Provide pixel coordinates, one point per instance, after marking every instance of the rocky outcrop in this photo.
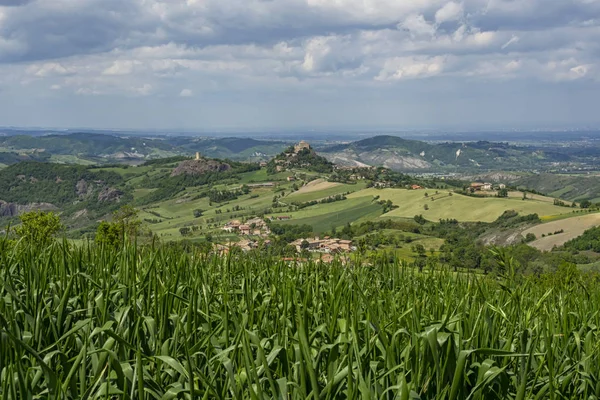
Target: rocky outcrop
(14, 209)
(110, 194)
(199, 167)
(82, 188)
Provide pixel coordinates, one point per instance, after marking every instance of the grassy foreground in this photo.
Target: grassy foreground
(83, 323)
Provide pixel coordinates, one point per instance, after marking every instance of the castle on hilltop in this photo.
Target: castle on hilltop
(301, 146)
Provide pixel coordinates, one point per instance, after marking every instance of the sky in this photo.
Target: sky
(285, 64)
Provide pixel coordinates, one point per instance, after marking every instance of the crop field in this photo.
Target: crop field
(322, 190)
(462, 208)
(323, 217)
(572, 227)
(158, 323)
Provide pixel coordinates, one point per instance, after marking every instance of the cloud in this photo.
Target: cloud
(449, 12)
(400, 68)
(47, 69)
(186, 93)
(272, 49)
(120, 67)
(417, 26)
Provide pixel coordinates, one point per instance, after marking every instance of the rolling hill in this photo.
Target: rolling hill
(569, 187)
(86, 148)
(410, 155)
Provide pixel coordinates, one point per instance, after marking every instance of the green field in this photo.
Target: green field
(160, 323)
(462, 208)
(323, 217)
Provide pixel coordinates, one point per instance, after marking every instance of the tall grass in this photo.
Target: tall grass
(83, 323)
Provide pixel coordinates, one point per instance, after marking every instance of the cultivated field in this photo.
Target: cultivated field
(455, 206)
(573, 227)
(159, 323)
(320, 189)
(323, 217)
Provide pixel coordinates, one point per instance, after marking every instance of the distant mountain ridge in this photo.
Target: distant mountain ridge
(401, 154)
(80, 147)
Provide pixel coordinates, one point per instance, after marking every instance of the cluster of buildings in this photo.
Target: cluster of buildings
(326, 245)
(245, 245)
(254, 226)
(481, 186)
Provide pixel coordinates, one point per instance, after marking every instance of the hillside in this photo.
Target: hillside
(301, 155)
(81, 192)
(94, 148)
(411, 155)
(569, 187)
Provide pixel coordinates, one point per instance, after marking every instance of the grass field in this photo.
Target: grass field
(536, 197)
(573, 227)
(159, 323)
(462, 208)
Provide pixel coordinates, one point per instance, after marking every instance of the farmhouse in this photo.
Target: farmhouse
(416, 187)
(479, 186)
(291, 178)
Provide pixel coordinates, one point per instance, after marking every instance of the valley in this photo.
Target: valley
(299, 194)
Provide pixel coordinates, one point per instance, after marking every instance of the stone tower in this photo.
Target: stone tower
(197, 156)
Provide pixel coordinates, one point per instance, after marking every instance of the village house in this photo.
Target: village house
(416, 187)
(232, 226)
(479, 186)
(291, 178)
(254, 226)
(257, 222)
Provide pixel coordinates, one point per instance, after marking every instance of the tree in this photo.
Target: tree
(184, 231)
(108, 234)
(503, 193)
(198, 213)
(39, 227)
(530, 237)
(420, 250)
(304, 245)
(125, 224)
(585, 204)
